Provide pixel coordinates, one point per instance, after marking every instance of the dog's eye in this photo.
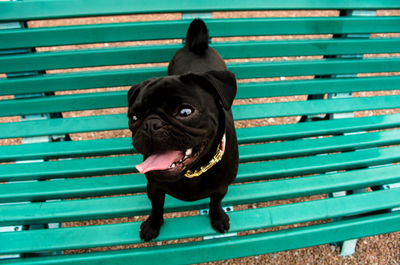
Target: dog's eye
(132, 117)
(185, 111)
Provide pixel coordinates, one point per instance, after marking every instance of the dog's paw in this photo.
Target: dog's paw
(150, 229)
(220, 222)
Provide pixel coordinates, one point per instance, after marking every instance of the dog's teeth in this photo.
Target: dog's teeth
(188, 152)
(186, 157)
(173, 165)
(180, 161)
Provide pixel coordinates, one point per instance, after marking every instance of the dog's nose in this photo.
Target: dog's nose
(152, 125)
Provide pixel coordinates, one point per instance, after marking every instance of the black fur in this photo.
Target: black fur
(196, 55)
(198, 78)
(197, 37)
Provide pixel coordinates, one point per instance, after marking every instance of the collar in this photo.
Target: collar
(217, 157)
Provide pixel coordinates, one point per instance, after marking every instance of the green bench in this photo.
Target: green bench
(67, 167)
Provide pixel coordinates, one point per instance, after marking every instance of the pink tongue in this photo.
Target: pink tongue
(159, 161)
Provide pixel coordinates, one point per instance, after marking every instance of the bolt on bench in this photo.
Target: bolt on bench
(327, 173)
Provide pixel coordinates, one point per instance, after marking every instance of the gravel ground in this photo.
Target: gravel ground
(382, 249)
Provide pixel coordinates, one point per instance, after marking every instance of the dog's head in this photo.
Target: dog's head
(175, 119)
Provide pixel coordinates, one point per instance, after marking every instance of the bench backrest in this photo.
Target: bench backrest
(153, 30)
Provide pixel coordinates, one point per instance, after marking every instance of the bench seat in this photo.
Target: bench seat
(69, 189)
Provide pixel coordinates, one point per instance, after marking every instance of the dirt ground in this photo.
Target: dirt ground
(382, 249)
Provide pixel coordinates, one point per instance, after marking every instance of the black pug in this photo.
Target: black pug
(183, 126)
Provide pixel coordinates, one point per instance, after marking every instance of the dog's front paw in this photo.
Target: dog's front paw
(220, 222)
(150, 228)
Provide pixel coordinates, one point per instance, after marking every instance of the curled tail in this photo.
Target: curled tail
(197, 37)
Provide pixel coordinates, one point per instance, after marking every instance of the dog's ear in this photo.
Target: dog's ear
(134, 90)
(221, 82)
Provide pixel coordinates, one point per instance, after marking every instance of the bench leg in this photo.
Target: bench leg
(348, 247)
(350, 13)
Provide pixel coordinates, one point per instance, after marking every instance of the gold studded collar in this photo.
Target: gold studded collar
(217, 157)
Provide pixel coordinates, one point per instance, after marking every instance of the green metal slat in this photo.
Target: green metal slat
(298, 25)
(100, 208)
(156, 30)
(87, 58)
(118, 99)
(126, 77)
(81, 80)
(67, 149)
(64, 125)
(295, 108)
(72, 188)
(258, 49)
(316, 86)
(118, 234)
(314, 185)
(258, 152)
(74, 102)
(247, 153)
(317, 128)
(245, 90)
(16, 11)
(318, 67)
(317, 164)
(233, 247)
(83, 209)
(97, 33)
(70, 168)
(255, 134)
(154, 54)
(257, 89)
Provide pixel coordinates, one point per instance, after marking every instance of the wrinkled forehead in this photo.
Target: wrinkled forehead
(171, 91)
(165, 86)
